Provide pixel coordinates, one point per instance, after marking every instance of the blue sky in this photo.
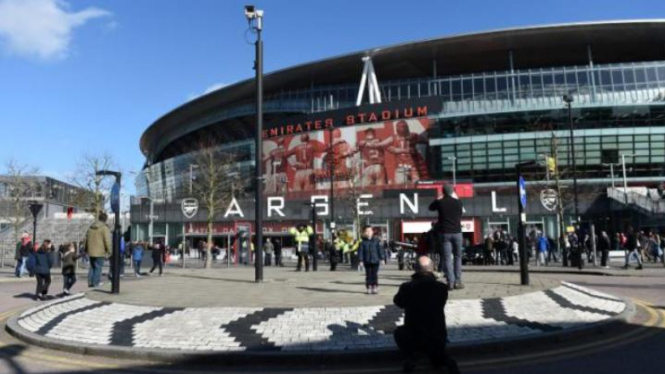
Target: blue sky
(84, 76)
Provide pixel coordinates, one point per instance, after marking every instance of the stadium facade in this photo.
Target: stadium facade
(467, 106)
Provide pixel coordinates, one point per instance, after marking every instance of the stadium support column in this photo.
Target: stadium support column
(511, 62)
(592, 77)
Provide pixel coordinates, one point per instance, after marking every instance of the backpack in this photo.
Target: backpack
(31, 263)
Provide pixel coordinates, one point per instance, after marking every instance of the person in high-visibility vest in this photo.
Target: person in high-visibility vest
(352, 249)
(301, 234)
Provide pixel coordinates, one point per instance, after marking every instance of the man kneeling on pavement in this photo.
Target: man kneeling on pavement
(424, 331)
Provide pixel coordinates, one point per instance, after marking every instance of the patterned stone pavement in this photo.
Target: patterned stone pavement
(81, 319)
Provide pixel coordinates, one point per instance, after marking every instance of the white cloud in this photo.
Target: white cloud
(41, 28)
(208, 90)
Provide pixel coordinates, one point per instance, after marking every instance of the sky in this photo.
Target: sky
(88, 77)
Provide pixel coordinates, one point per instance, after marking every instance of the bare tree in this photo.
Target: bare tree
(21, 186)
(351, 181)
(556, 173)
(92, 196)
(218, 182)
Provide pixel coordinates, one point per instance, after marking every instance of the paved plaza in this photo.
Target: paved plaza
(194, 311)
(284, 287)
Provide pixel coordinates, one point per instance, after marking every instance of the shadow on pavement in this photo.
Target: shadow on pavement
(25, 295)
(326, 290)
(551, 356)
(8, 354)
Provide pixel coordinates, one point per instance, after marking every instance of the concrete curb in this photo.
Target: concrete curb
(571, 271)
(312, 358)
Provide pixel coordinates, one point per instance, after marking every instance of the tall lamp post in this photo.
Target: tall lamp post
(115, 206)
(313, 241)
(521, 228)
(255, 18)
(35, 208)
(569, 100)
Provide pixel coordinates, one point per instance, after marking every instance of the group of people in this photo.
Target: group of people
(640, 247)
(500, 248)
(37, 260)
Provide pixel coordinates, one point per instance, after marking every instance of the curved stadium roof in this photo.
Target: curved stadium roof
(533, 47)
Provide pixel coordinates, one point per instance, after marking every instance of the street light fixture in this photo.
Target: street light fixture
(255, 19)
(568, 99)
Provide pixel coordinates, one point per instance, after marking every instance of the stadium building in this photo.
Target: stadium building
(392, 124)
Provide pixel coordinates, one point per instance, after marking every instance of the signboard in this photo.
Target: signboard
(522, 193)
(190, 207)
(378, 155)
(354, 116)
(419, 227)
(463, 190)
(35, 208)
(549, 198)
(115, 198)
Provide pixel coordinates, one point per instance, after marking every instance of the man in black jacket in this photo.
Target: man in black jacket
(449, 228)
(423, 300)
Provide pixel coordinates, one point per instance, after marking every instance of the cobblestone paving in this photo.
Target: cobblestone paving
(82, 320)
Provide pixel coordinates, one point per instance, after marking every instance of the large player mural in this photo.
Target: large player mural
(380, 154)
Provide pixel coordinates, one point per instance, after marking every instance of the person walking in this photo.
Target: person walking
(604, 244)
(514, 251)
(424, 331)
(370, 253)
(158, 258)
(23, 252)
(632, 249)
(137, 258)
(43, 262)
(543, 247)
(449, 226)
(552, 253)
(278, 253)
(488, 249)
(331, 250)
(69, 258)
(269, 248)
(654, 247)
(98, 247)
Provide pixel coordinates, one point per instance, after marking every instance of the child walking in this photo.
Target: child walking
(69, 259)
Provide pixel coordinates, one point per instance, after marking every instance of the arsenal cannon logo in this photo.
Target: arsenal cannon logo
(190, 207)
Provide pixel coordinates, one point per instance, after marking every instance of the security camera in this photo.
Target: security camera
(250, 12)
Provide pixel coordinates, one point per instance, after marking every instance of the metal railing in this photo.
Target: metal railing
(646, 202)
